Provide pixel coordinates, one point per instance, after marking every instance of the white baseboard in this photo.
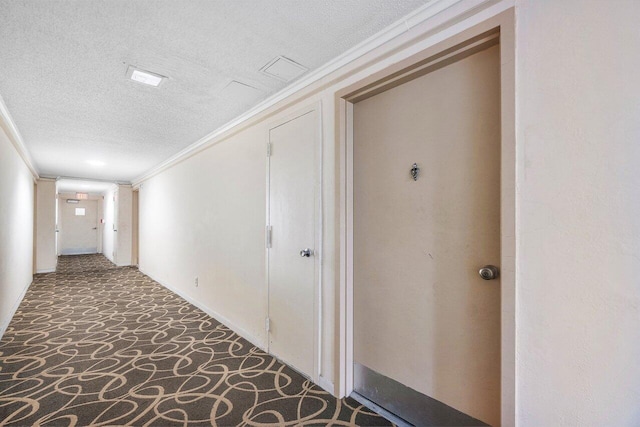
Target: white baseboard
(217, 316)
(325, 384)
(80, 252)
(7, 320)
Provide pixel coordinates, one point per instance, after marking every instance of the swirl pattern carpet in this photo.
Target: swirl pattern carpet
(96, 344)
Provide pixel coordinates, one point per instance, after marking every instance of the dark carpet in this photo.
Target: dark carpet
(96, 344)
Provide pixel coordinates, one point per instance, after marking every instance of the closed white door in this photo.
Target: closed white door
(424, 319)
(79, 227)
(293, 252)
(115, 227)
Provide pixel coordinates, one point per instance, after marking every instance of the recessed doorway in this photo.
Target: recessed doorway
(385, 232)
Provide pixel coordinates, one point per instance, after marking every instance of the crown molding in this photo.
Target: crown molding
(9, 126)
(389, 33)
(80, 178)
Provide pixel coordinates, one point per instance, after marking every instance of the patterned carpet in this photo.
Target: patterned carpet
(95, 344)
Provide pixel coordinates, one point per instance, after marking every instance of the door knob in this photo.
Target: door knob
(306, 253)
(489, 272)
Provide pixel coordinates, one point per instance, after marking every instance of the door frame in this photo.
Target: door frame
(497, 29)
(318, 250)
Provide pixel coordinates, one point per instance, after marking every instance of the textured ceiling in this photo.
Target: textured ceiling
(63, 65)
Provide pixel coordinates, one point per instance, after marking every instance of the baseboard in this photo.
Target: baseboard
(217, 316)
(85, 252)
(325, 384)
(7, 320)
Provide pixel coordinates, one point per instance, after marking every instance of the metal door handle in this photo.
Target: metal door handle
(306, 253)
(94, 228)
(489, 272)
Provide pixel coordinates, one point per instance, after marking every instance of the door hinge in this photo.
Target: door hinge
(268, 149)
(267, 324)
(268, 236)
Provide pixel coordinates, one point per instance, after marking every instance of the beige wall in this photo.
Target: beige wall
(46, 257)
(578, 204)
(578, 167)
(124, 237)
(16, 228)
(206, 218)
(108, 226)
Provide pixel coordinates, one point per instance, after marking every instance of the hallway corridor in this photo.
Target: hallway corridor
(96, 344)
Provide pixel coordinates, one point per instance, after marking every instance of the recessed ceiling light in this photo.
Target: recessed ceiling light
(283, 69)
(145, 77)
(96, 162)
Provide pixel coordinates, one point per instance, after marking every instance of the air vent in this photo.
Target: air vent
(241, 93)
(283, 69)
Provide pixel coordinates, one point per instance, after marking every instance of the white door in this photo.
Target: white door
(115, 228)
(79, 227)
(292, 218)
(424, 319)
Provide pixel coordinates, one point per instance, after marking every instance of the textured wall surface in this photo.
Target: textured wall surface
(123, 225)
(206, 218)
(16, 229)
(108, 241)
(46, 257)
(579, 212)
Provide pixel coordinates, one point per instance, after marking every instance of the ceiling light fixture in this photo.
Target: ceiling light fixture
(96, 162)
(144, 77)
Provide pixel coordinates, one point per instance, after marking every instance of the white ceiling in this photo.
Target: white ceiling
(63, 65)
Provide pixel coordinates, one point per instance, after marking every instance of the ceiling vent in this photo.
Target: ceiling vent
(283, 69)
(145, 77)
(241, 93)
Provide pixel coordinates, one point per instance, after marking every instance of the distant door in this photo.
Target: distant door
(115, 228)
(135, 225)
(79, 227)
(293, 252)
(425, 322)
